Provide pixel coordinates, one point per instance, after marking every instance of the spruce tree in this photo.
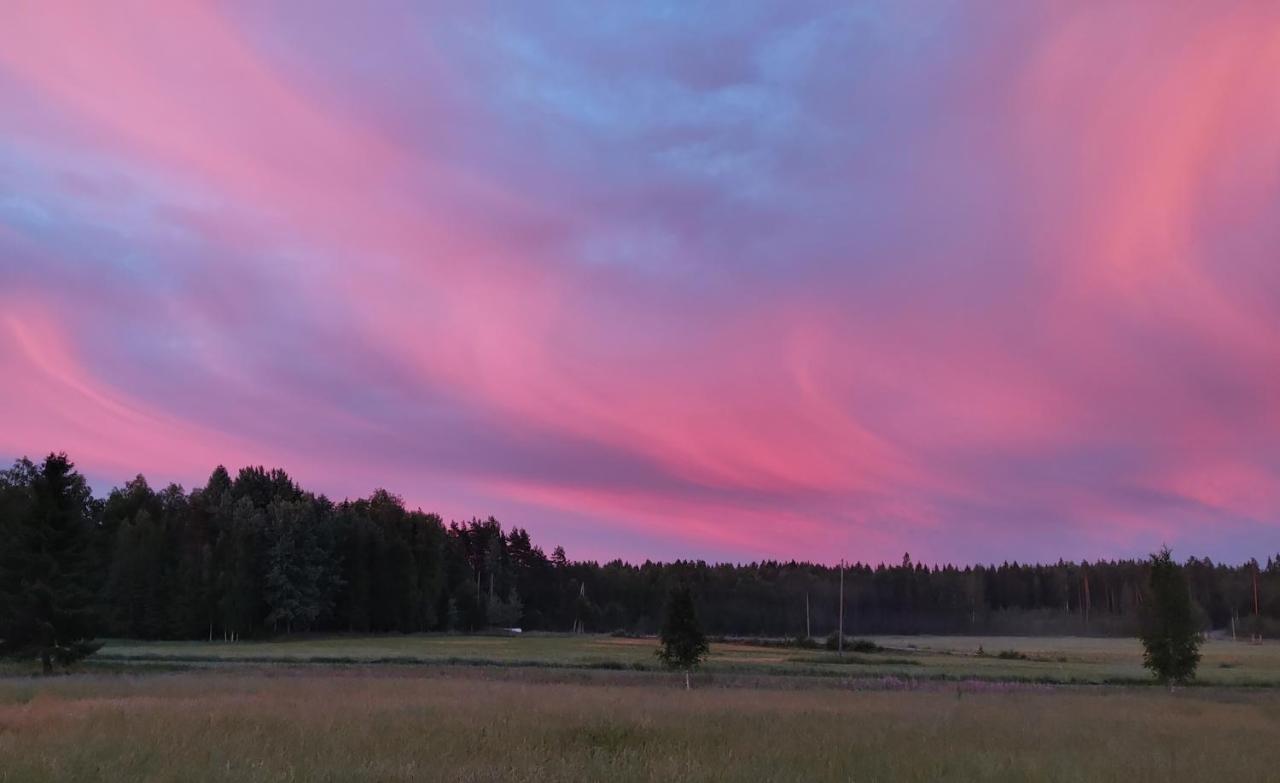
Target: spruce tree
(47, 568)
(294, 581)
(683, 645)
(1170, 639)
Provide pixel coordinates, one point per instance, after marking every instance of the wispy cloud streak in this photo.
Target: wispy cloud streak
(721, 281)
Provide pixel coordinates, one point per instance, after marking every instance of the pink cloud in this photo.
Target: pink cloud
(1010, 294)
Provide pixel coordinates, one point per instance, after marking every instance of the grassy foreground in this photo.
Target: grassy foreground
(387, 724)
(1064, 660)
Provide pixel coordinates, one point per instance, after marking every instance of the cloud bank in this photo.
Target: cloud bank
(716, 280)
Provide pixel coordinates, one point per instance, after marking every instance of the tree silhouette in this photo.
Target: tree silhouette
(683, 643)
(47, 569)
(257, 554)
(1169, 635)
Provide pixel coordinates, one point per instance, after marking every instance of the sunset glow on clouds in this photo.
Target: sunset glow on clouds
(716, 280)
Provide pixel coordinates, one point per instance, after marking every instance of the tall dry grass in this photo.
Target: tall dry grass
(353, 726)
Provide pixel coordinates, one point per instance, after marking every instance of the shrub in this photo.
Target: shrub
(853, 645)
(1170, 639)
(683, 645)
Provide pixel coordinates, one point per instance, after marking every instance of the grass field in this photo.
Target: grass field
(1063, 660)
(390, 723)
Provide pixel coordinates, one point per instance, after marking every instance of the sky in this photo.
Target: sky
(730, 280)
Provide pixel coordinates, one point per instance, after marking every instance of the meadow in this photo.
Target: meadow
(393, 723)
(1052, 660)
(565, 707)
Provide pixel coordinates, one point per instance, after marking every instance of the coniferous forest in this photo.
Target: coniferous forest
(253, 555)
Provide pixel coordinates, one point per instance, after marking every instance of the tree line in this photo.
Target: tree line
(254, 555)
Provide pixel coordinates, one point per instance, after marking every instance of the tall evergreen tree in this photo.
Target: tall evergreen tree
(295, 578)
(683, 645)
(426, 538)
(135, 590)
(47, 569)
(1170, 638)
(236, 560)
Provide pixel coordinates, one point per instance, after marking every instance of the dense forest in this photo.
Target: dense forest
(254, 554)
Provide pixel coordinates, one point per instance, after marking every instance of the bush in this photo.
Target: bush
(853, 645)
(1011, 655)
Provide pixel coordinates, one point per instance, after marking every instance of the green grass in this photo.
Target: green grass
(1063, 660)
(385, 723)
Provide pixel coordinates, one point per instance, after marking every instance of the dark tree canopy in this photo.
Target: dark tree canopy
(251, 554)
(1170, 636)
(682, 642)
(47, 576)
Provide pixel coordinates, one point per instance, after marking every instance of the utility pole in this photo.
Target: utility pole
(808, 631)
(578, 625)
(1257, 620)
(840, 638)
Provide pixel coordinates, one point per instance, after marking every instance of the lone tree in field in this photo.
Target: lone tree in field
(683, 643)
(46, 563)
(1169, 635)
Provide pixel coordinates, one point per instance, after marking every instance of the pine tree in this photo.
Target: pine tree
(125, 588)
(295, 568)
(683, 643)
(426, 534)
(1169, 635)
(47, 568)
(236, 563)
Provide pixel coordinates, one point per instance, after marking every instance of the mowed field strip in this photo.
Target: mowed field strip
(1060, 660)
